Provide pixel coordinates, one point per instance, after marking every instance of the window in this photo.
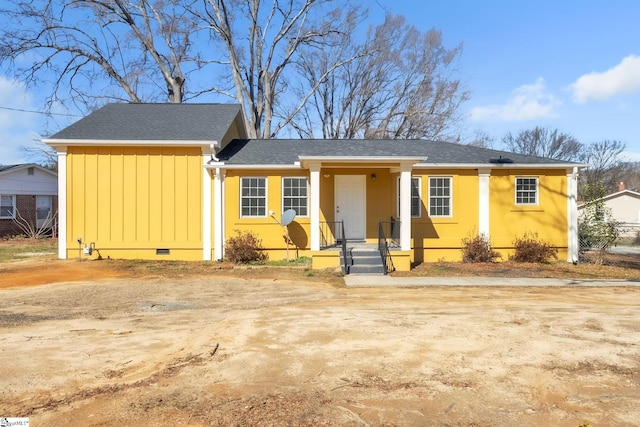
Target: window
(440, 196)
(294, 195)
(253, 197)
(7, 206)
(415, 197)
(526, 191)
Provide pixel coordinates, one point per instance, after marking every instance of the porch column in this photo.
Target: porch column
(206, 213)
(483, 202)
(218, 214)
(62, 202)
(573, 244)
(314, 213)
(405, 207)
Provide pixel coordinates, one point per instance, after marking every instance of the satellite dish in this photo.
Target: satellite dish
(287, 217)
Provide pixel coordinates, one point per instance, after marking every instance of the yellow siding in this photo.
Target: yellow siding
(131, 201)
(267, 228)
(548, 219)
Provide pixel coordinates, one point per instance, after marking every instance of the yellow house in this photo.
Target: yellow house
(175, 181)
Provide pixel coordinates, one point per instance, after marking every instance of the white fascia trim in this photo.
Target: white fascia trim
(497, 165)
(128, 142)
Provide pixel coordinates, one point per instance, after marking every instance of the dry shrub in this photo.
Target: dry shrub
(531, 249)
(478, 249)
(244, 248)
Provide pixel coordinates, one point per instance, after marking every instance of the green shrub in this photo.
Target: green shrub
(244, 248)
(478, 249)
(529, 248)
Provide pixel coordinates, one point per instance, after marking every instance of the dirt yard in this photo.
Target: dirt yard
(95, 346)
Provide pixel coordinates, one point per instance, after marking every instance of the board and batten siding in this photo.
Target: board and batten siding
(131, 201)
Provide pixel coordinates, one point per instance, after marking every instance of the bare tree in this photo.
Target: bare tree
(544, 142)
(482, 139)
(262, 40)
(42, 154)
(398, 83)
(604, 164)
(139, 47)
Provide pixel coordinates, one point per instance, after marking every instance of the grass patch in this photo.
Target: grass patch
(20, 248)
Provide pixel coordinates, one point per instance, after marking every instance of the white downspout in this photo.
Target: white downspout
(218, 213)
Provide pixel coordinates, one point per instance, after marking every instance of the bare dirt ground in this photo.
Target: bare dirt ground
(97, 345)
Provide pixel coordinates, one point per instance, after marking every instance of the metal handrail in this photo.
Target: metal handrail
(346, 257)
(383, 246)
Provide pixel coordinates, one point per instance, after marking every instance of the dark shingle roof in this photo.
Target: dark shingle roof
(149, 122)
(287, 151)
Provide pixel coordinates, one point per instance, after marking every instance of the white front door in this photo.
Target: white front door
(43, 210)
(350, 202)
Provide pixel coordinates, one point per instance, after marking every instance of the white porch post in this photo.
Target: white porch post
(314, 213)
(483, 202)
(218, 214)
(405, 207)
(62, 202)
(573, 244)
(206, 212)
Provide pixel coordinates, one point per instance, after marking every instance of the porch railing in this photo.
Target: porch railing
(331, 234)
(383, 244)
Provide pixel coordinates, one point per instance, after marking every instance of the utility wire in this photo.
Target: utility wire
(39, 112)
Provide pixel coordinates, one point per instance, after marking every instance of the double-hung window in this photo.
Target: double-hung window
(253, 197)
(440, 196)
(294, 195)
(7, 207)
(415, 197)
(527, 191)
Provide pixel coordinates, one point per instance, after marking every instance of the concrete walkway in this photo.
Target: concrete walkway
(364, 281)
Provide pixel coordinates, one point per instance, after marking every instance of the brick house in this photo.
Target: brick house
(28, 195)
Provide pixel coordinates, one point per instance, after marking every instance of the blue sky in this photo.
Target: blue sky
(567, 65)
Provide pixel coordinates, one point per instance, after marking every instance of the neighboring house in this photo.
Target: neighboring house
(28, 195)
(174, 181)
(624, 207)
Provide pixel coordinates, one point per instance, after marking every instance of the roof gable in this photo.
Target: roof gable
(203, 123)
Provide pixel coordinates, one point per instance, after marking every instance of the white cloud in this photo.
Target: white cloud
(622, 79)
(630, 156)
(527, 102)
(17, 128)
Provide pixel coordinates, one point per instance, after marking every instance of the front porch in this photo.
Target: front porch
(361, 256)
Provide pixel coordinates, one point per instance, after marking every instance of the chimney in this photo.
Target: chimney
(621, 186)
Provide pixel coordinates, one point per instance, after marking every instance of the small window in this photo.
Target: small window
(526, 191)
(30, 171)
(7, 207)
(294, 195)
(440, 196)
(253, 197)
(415, 197)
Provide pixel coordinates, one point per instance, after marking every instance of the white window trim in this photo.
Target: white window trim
(13, 204)
(450, 178)
(266, 197)
(282, 192)
(515, 191)
(419, 179)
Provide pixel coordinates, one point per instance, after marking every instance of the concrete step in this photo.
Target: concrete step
(366, 269)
